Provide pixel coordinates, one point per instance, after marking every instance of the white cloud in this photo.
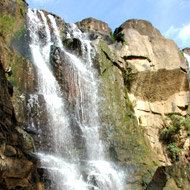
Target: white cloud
(180, 35)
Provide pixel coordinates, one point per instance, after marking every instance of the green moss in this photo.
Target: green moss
(127, 143)
(7, 24)
(28, 143)
(20, 2)
(12, 22)
(182, 53)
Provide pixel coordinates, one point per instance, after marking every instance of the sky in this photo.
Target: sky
(170, 17)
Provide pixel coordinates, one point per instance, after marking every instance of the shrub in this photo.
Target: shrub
(118, 37)
(174, 151)
(170, 134)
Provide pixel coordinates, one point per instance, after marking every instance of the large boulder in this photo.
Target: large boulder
(95, 27)
(142, 26)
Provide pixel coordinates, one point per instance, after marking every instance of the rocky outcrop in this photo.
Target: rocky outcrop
(142, 26)
(124, 138)
(17, 167)
(94, 26)
(12, 15)
(142, 80)
(17, 170)
(157, 75)
(171, 177)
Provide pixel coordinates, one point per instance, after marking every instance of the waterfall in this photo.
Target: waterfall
(67, 169)
(187, 57)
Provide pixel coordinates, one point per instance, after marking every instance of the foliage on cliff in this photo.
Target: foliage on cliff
(174, 124)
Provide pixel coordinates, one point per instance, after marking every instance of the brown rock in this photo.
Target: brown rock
(10, 151)
(28, 143)
(159, 180)
(95, 26)
(159, 83)
(174, 177)
(17, 168)
(13, 183)
(142, 26)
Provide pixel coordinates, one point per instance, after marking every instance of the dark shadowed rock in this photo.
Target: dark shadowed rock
(174, 177)
(73, 46)
(16, 170)
(159, 180)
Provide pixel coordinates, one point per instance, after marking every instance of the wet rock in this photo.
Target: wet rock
(73, 46)
(28, 143)
(10, 151)
(96, 28)
(10, 88)
(16, 169)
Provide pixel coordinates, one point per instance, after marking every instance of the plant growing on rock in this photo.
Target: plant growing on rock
(170, 134)
(174, 151)
(118, 38)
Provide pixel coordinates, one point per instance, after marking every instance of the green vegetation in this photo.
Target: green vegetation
(170, 135)
(129, 76)
(186, 124)
(20, 2)
(182, 53)
(13, 21)
(118, 38)
(126, 142)
(174, 151)
(113, 37)
(7, 24)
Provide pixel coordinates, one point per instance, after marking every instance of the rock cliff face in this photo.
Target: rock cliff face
(144, 80)
(159, 85)
(17, 168)
(144, 89)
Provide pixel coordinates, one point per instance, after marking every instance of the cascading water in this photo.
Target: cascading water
(187, 57)
(67, 169)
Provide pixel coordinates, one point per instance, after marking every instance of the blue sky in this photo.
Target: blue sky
(171, 17)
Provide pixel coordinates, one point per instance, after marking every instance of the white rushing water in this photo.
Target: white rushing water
(187, 57)
(69, 171)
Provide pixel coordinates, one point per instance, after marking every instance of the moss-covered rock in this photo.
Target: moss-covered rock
(12, 18)
(124, 137)
(18, 169)
(171, 177)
